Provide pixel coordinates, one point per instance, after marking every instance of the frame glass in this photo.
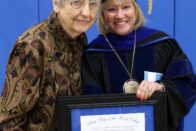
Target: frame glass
(112, 112)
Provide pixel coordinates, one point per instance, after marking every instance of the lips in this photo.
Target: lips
(82, 22)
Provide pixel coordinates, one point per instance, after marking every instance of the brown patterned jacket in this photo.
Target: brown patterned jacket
(45, 62)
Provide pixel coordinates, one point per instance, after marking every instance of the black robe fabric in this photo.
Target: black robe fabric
(102, 72)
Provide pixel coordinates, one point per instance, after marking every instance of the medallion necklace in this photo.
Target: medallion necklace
(131, 85)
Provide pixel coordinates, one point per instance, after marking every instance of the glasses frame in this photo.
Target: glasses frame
(93, 4)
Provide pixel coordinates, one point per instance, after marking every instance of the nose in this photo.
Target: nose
(119, 14)
(86, 10)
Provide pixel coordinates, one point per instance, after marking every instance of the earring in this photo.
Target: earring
(56, 13)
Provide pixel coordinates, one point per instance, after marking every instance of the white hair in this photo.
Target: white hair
(60, 2)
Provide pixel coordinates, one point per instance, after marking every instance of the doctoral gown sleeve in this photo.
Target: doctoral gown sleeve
(179, 80)
(22, 83)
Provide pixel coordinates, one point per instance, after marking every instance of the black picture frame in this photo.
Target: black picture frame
(66, 106)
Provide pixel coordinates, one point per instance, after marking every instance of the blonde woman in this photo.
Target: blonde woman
(116, 61)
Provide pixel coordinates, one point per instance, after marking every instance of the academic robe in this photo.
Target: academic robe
(102, 72)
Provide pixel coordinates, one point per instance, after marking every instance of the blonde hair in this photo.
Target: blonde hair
(140, 20)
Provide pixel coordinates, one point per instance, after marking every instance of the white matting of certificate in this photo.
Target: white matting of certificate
(113, 122)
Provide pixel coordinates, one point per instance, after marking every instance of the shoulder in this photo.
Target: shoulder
(147, 31)
(34, 37)
(31, 41)
(148, 36)
(98, 41)
(99, 44)
(38, 31)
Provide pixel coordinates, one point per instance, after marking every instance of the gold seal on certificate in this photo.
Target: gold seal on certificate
(130, 86)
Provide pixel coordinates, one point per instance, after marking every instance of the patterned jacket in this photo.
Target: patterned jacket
(45, 62)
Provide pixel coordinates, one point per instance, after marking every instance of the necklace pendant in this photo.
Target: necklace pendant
(130, 86)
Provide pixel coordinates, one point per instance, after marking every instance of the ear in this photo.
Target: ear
(55, 6)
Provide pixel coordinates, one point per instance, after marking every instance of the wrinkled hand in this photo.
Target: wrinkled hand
(147, 88)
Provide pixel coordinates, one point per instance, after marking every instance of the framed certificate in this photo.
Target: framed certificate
(112, 112)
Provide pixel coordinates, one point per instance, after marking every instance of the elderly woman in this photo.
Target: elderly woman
(44, 63)
(116, 60)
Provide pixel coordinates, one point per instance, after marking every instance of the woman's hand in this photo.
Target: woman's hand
(147, 88)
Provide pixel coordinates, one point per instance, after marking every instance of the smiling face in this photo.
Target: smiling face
(76, 20)
(119, 15)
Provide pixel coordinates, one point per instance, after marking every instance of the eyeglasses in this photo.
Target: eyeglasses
(77, 4)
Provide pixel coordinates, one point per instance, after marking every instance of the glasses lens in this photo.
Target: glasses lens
(94, 5)
(77, 3)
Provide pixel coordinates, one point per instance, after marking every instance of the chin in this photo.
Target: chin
(82, 29)
(122, 33)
